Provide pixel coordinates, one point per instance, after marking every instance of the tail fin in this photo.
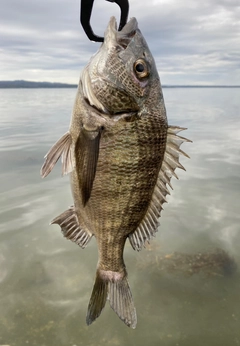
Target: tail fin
(121, 301)
(115, 287)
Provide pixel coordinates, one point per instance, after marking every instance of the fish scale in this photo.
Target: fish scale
(121, 155)
(128, 174)
(117, 68)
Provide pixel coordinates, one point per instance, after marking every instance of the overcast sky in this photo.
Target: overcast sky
(193, 42)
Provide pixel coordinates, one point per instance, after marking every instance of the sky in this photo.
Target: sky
(193, 42)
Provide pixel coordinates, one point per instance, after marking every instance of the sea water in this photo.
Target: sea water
(185, 284)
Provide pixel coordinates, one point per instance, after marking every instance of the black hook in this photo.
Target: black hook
(85, 15)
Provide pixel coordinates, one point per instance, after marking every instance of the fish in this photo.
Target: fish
(121, 154)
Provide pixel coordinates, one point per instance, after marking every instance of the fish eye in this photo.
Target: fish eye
(141, 68)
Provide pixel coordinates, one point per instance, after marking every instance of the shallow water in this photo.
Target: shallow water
(46, 281)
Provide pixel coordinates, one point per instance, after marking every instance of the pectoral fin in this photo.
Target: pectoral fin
(88, 145)
(61, 148)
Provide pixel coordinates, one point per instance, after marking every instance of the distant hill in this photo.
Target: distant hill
(27, 84)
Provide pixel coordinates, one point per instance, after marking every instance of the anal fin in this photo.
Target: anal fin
(61, 148)
(71, 229)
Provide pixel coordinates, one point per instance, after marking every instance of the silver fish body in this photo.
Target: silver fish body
(121, 154)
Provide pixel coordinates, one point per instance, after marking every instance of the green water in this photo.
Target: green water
(46, 281)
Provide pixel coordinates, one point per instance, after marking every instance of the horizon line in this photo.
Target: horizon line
(163, 85)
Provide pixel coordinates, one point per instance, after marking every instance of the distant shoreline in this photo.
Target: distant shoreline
(22, 84)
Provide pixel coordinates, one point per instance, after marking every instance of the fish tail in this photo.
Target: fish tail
(121, 301)
(114, 287)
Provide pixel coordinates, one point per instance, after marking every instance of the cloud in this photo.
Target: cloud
(192, 42)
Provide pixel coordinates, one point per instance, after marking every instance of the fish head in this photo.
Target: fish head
(120, 76)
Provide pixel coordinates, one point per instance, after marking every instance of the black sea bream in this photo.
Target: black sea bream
(121, 154)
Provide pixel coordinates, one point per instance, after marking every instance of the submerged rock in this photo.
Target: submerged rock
(213, 263)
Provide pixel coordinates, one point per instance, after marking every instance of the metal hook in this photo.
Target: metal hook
(85, 15)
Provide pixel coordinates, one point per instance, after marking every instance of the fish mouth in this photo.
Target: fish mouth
(114, 41)
(113, 37)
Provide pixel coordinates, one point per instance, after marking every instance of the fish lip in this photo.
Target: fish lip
(110, 33)
(113, 37)
(130, 27)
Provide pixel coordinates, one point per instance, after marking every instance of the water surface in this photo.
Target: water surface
(183, 294)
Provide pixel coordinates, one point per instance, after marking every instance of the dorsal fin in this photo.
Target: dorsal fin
(149, 224)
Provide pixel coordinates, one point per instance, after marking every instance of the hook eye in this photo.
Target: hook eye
(85, 16)
(124, 6)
